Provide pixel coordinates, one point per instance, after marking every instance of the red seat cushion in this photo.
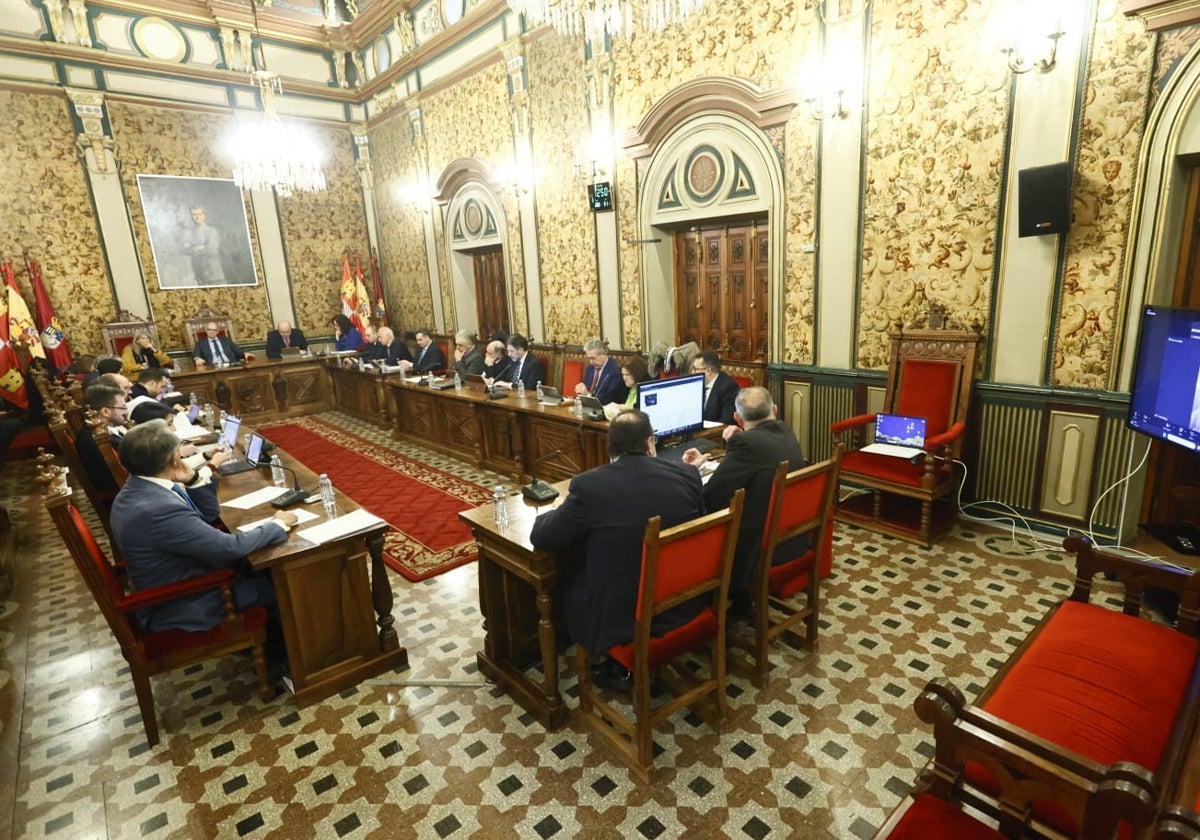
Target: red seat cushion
(162, 642)
(789, 578)
(931, 817)
(673, 643)
(572, 376)
(1100, 683)
(896, 470)
(26, 443)
(743, 381)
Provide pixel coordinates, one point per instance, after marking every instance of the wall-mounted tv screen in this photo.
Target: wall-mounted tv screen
(675, 406)
(1165, 398)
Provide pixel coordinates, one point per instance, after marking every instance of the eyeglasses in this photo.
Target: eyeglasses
(115, 407)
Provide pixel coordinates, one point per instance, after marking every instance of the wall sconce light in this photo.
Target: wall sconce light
(592, 173)
(1018, 62)
(836, 108)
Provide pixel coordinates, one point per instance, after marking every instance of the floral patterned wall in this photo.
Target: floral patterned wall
(319, 227)
(1110, 135)
(397, 173)
(936, 120)
(167, 141)
(566, 233)
(469, 120)
(50, 218)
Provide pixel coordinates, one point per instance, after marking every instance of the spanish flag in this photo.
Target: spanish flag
(12, 381)
(22, 330)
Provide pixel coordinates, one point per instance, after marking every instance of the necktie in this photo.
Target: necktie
(186, 498)
(421, 355)
(217, 354)
(517, 371)
(287, 340)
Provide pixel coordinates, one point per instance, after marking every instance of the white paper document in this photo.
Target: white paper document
(302, 516)
(334, 528)
(256, 498)
(712, 424)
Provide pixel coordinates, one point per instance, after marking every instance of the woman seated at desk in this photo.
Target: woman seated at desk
(346, 335)
(141, 353)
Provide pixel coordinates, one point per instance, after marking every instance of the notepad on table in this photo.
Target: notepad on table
(341, 526)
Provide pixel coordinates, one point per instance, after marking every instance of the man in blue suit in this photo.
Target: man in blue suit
(215, 348)
(602, 377)
(598, 531)
(164, 539)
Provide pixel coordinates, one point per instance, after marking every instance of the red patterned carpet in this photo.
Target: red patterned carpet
(419, 502)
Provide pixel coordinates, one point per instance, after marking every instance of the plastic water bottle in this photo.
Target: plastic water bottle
(520, 389)
(206, 414)
(277, 475)
(328, 499)
(457, 381)
(500, 505)
(538, 390)
(223, 417)
(577, 409)
(191, 398)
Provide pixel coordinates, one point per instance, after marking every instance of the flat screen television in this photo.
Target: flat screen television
(675, 406)
(1165, 396)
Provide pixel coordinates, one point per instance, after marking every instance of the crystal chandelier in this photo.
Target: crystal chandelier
(266, 154)
(597, 18)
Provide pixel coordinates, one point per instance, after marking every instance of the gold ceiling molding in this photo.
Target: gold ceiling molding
(1163, 14)
(762, 109)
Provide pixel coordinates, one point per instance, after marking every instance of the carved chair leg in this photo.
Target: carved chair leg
(145, 697)
(583, 664)
(266, 690)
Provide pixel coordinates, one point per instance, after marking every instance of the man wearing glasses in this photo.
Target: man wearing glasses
(216, 349)
(108, 401)
(467, 358)
(602, 378)
(720, 389)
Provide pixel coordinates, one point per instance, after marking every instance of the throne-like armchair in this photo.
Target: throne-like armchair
(929, 375)
(194, 326)
(118, 333)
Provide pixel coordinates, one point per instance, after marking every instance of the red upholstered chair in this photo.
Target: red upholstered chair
(150, 653)
(929, 376)
(801, 503)
(681, 563)
(942, 804)
(119, 332)
(574, 363)
(194, 326)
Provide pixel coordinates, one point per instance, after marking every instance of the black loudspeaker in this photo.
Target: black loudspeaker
(1044, 200)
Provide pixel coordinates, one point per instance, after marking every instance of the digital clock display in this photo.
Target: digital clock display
(600, 196)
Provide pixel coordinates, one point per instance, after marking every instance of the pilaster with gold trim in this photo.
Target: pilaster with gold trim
(598, 72)
(99, 154)
(524, 184)
(416, 124)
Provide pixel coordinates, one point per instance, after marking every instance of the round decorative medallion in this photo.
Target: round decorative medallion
(473, 217)
(158, 38)
(705, 170)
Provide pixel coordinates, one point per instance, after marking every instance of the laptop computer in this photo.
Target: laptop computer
(898, 436)
(593, 409)
(549, 396)
(253, 453)
(229, 432)
(291, 351)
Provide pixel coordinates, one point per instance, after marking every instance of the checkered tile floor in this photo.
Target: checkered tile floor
(435, 751)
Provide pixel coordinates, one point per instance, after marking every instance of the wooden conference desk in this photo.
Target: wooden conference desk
(512, 436)
(337, 625)
(516, 583)
(261, 390)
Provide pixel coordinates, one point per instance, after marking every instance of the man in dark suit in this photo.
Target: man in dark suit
(164, 539)
(283, 337)
(602, 377)
(429, 355)
(495, 361)
(525, 366)
(467, 358)
(109, 402)
(598, 530)
(215, 348)
(753, 449)
(720, 389)
(394, 351)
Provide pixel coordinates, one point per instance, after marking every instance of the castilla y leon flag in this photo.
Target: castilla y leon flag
(12, 383)
(349, 294)
(361, 299)
(54, 341)
(22, 331)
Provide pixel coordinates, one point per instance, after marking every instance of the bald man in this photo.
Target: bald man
(282, 337)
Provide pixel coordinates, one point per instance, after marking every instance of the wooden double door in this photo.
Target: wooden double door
(491, 291)
(721, 289)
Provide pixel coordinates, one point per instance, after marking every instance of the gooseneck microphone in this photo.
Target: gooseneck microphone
(539, 491)
(292, 496)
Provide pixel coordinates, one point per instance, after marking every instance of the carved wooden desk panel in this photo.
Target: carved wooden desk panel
(260, 391)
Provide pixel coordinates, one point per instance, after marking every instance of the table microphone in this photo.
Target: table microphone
(292, 496)
(539, 491)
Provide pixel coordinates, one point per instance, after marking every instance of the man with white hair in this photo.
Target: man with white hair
(393, 350)
(467, 358)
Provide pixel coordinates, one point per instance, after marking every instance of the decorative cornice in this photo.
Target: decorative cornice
(1163, 14)
(458, 173)
(763, 109)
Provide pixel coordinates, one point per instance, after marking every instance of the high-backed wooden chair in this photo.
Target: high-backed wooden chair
(65, 437)
(194, 326)
(104, 443)
(929, 376)
(154, 652)
(119, 332)
(574, 364)
(1097, 798)
(688, 561)
(801, 504)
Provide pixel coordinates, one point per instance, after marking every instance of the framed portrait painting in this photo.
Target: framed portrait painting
(198, 230)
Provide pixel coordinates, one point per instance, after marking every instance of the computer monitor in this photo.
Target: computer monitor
(1164, 399)
(229, 434)
(675, 406)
